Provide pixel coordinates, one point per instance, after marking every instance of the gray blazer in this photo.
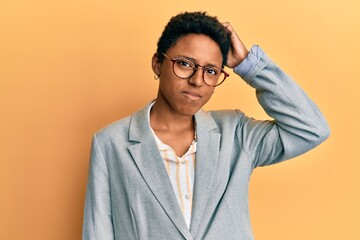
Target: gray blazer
(129, 194)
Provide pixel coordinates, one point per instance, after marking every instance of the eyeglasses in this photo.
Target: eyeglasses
(185, 68)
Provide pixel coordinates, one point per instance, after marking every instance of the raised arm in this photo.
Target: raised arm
(298, 124)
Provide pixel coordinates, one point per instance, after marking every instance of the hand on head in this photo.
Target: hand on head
(238, 51)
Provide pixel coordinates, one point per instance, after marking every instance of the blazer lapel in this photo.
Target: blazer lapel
(149, 162)
(207, 157)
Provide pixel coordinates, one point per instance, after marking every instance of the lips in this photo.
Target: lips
(192, 95)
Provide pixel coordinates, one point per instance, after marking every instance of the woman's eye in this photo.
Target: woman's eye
(184, 63)
(211, 71)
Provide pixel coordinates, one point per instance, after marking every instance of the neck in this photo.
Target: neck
(165, 119)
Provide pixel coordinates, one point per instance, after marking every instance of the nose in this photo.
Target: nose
(197, 79)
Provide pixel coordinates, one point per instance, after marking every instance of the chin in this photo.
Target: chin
(188, 111)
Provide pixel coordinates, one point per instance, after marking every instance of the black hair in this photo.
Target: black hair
(194, 22)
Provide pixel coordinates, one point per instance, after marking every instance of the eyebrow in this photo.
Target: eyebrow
(194, 60)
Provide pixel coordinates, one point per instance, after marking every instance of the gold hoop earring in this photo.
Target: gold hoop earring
(156, 77)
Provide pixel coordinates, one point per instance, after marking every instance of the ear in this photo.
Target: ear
(155, 63)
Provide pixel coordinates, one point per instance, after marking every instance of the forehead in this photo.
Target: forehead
(199, 47)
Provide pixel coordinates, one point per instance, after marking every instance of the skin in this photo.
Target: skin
(172, 116)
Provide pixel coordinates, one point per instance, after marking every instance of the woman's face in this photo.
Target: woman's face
(186, 96)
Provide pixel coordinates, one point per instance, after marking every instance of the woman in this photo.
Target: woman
(174, 171)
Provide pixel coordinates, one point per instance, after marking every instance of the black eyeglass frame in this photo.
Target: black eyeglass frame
(173, 60)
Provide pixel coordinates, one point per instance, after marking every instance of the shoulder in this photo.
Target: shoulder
(225, 114)
(219, 118)
(113, 130)
(122, 127)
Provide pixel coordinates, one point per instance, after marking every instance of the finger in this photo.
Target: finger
(225, 24)
(228, 26)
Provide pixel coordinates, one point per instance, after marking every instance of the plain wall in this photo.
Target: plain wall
(68, 68)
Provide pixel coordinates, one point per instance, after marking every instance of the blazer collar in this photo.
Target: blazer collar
(151, 166)
(207, 157)
(149, 162)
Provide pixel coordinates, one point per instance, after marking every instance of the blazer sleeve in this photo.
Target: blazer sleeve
(298, 124)
(97, 222)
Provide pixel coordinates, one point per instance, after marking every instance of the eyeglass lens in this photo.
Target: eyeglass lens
(185, 68)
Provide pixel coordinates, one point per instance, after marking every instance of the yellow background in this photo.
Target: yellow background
(68, 68)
